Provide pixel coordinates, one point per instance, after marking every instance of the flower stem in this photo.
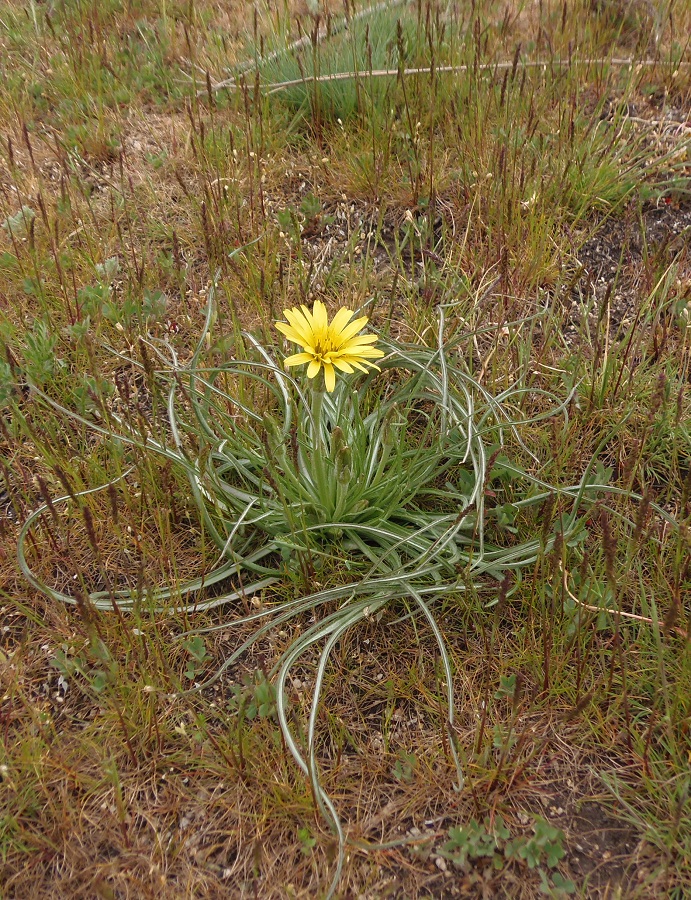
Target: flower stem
(317, 404)
(318, 449)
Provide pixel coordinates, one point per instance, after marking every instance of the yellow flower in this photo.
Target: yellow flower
(335, 345)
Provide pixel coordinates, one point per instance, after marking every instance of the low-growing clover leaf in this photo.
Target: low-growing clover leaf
(307, 840)
(507, 687)
(404, 766)
(470, 841)
(550, 841)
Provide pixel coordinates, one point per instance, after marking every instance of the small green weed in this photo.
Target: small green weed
(198, 656)
(255, 697)
(405, 766)
(94, 664)
(307, 840)
(491, 839)
(19, 224)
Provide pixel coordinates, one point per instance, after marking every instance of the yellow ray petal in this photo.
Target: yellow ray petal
(351, 330)
(298, 359)
(309, 318)
(342, 365)
(300, 324)
(320, 322)
(329, 377)
(340, 320)
(313, 368)
(364, 352)
(362, 339)
(291, 333)
(357, 364)
(357, 361)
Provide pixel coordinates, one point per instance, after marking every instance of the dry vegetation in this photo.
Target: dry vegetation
(561, 192)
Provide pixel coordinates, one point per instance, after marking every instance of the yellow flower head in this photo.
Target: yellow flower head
(335, 345)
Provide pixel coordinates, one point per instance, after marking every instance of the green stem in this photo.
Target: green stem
(317, 404)
(318, 448)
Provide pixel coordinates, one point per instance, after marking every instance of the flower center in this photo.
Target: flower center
(323, 351)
